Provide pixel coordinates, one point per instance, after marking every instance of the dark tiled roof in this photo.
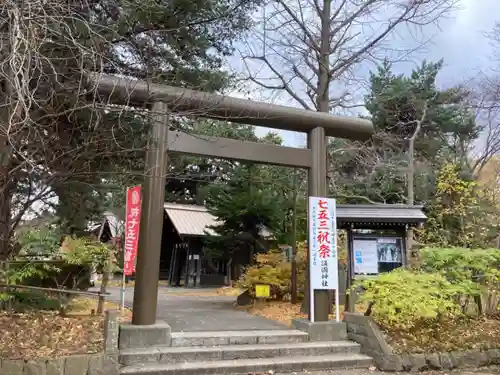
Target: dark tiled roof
(383, 213)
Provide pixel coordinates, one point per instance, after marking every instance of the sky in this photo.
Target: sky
(459, 40)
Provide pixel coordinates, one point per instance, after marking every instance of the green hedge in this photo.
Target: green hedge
(50, 274)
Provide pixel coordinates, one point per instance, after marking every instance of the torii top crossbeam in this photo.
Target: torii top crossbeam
(126, 91)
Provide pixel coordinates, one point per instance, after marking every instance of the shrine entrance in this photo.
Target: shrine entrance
(163, 101)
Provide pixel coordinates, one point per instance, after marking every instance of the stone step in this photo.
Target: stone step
(231, 352)
(246, 366)
(210, 339)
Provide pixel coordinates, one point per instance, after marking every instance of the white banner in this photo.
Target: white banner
(323, 259)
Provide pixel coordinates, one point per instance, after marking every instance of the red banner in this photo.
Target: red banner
(132, 222)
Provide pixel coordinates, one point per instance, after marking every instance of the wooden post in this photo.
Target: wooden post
(187, 265)
(350, 299)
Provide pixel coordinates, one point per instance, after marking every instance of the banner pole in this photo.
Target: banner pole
(310, 241)
(337, 305)
(311, 304)
(335, 249)
(122, 294)
(122, 291)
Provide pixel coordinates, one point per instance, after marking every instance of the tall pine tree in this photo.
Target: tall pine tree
(248, 211)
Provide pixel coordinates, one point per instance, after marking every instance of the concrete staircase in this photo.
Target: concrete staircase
(241, 352)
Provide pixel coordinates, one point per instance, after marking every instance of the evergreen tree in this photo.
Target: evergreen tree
(396, 101)
(248, 213)
(189, 176)
(377, 171)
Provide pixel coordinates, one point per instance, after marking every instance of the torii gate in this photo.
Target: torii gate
(164, 100)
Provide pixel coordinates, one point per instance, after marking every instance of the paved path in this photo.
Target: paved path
(195, 313)
(495, 370)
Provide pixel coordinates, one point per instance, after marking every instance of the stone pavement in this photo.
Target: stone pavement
(188, 313)
(482, 371)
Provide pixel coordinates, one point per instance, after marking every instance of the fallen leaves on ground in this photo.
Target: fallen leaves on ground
(229, 291)
(48, 335)
(45, 334)
(457, 334)
(283, 312)
(85, 306)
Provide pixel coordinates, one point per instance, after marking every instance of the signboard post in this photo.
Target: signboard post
(323, 257)
(132, 221)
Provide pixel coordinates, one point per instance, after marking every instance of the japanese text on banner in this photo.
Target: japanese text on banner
(323, 247)
(132, 224)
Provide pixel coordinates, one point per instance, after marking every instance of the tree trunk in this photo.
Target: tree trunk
(410, 199)
(106, 276)
(411, 181)
(6, 152)
(5, 215)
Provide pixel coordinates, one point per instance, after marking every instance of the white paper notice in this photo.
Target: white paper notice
(365, 257)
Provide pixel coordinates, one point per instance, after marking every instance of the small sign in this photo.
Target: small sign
(262, 291)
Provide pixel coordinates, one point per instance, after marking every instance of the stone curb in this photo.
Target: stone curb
(363, 330)
(438, 361)
(91, 364)
(105, 363)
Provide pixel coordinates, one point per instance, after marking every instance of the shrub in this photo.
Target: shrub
(50, 274)
(22, 301)
(402, 298)
(272, 268)
(459, 264)
(66, 267)
(476, 271)
(82, 250)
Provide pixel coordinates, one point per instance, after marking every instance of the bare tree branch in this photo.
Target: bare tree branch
(310, 49)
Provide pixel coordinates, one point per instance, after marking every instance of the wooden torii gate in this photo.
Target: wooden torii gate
(164, 100)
